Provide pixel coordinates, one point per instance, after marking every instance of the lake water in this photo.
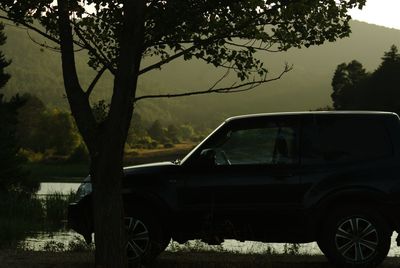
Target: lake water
(40, 241)
(62, 240)
(59, 187)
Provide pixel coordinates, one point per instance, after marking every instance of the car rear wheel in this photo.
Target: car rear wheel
(355, 237)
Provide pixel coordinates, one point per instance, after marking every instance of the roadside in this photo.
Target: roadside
(40, 259)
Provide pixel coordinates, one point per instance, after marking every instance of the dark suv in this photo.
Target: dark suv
(330, 177)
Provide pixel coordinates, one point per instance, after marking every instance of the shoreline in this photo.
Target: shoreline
(42, 259)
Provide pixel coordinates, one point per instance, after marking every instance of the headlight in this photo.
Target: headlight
(84, 189)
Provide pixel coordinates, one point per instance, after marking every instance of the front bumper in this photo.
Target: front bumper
(80, 219)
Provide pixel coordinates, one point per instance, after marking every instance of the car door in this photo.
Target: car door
(254, 177)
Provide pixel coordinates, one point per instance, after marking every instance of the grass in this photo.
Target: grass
(56, 209)
(18, 215)
(22, 216)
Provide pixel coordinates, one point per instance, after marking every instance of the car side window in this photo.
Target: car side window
(270, 144)
(344, 140)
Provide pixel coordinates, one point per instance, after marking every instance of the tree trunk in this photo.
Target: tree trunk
(107, 165)
(106, 141)
(106, 172)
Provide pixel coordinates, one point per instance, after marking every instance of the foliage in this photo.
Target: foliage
(79, 245)
(4, 77)
(100, 110)
(356, 89)
(12, 176)
(40, 129)
(291, 249)
(207, 30)
(156, 131)
(344, 80)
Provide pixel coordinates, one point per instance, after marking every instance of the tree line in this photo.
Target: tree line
(356, 89)
(49, 134)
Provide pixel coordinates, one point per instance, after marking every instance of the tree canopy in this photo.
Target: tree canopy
(356, 89)
(223, 33)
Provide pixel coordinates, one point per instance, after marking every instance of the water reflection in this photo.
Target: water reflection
(59, 187)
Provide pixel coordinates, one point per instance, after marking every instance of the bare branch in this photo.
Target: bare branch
(56, 49)
(167, 60)
(261, 48)
(232, 89)
(27, 25)
(221, 79)
(44, 45)
(103, 59)
(95, 80)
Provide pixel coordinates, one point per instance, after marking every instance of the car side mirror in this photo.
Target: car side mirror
(207, 157)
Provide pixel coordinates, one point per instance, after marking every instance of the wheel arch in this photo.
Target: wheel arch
(149, 201)
(370, 198)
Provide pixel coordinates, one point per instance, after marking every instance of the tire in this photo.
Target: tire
(355, 237)
(146, 239)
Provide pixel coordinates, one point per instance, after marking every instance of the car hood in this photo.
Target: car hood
(151, 168)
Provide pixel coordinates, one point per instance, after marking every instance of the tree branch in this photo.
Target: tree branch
(232, 89)
(165, 61)
(255, 47)
(77, 99)
(94, 82)
(103, 59)
(44, 34)
(206, 41)
(54, 49)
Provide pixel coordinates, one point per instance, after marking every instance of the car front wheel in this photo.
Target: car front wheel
(355, 237)
(145, 238)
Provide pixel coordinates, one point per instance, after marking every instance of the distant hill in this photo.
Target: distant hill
(306, 87)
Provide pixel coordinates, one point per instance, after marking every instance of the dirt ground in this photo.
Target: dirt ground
(31, 259)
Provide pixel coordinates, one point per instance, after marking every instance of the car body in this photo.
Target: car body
(330, 177)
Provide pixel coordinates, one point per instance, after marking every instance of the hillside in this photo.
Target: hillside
(306, 87)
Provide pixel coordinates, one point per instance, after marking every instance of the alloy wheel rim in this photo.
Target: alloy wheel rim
(138, 238)
(356, 239)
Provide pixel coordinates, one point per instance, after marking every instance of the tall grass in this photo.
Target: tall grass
(56, 209)
(25, 215)
(19, 215)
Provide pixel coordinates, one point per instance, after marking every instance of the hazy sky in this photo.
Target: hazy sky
(380, 12)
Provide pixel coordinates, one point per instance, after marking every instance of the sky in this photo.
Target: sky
(380, 12)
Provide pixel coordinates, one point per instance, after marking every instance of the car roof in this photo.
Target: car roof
(312, 113)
